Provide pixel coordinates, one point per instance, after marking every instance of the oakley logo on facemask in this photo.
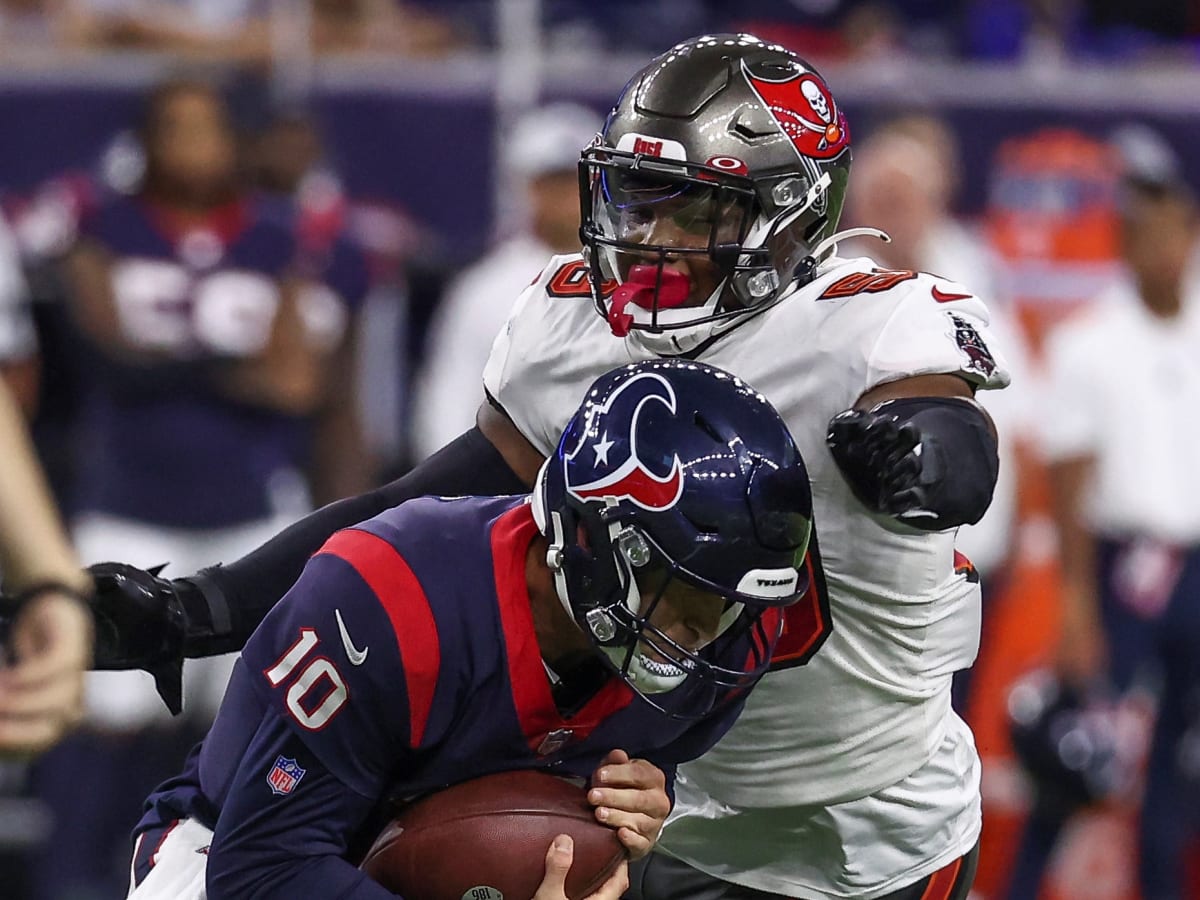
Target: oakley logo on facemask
(605, 463)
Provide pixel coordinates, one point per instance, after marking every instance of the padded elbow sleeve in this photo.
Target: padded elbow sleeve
(930, 462)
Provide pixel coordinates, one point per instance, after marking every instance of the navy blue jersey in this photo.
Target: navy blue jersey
(403, 660)
(164, 444)
(327, 251)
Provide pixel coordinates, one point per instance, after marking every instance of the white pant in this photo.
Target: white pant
(179, 865)
(127, 701)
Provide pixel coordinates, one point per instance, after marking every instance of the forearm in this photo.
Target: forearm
(269, 846)
(33, 546)
(1077, 546)
(250, 586)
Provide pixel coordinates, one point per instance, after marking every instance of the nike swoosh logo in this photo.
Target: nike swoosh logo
(357, 657)
(944, 297)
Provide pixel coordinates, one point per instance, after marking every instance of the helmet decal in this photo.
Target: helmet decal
(730, 164)
(632, 142)
(629, 478)
(805, 111)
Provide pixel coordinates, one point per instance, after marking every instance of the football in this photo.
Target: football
(486, 839)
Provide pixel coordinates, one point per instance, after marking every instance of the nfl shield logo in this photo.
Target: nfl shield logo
(284, 776)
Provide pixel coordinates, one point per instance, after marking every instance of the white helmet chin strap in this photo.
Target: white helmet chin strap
(552, 527)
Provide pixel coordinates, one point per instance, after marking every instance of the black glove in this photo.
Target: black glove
(140, 624)
(881, 460)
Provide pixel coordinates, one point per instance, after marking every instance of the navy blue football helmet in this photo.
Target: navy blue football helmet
(676, 471)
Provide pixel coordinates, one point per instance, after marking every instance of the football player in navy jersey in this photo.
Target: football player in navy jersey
(631, 602)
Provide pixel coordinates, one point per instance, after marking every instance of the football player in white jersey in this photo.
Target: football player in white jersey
(710, 204)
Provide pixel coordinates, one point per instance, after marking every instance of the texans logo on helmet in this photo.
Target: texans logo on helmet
(806, 112)
(609, 455)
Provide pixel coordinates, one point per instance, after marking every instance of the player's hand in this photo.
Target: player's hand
(630, 795)
(558, 863)
(880, 459)
(140, 624)
(41, 694)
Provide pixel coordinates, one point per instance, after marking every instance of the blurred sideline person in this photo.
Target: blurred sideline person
(209, 363)
(18, 338)
(1121, 448)
(359, 249)
(906, 176)
(710, 222)
(286, 165)
(47, 644)
(542, 154)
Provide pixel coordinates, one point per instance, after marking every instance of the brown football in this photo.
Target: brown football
(486, 839)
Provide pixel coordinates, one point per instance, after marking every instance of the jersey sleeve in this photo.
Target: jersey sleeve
(531, 374)
(937, 327)
(350, 659)
(286, 825)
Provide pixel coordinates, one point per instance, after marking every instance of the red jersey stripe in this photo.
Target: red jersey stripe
(385, 571)
(532, 697)
(941, 882)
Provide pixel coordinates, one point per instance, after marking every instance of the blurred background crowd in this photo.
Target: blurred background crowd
(253, 254)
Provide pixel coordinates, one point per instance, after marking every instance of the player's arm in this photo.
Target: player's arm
(520, 456)
(41, 692)
(919, 449)
(143, 621)
(287, 373)
(290, 845)
(344, 700)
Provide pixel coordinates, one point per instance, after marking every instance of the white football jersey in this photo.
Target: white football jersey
(872, 707)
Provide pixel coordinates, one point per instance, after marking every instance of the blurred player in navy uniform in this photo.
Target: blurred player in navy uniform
(209, 369)
(286, 167)
(630, 602)
(710, 206)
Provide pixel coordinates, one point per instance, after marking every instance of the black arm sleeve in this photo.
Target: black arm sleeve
(225, 603)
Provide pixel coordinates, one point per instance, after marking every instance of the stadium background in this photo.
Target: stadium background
(1030, 90)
